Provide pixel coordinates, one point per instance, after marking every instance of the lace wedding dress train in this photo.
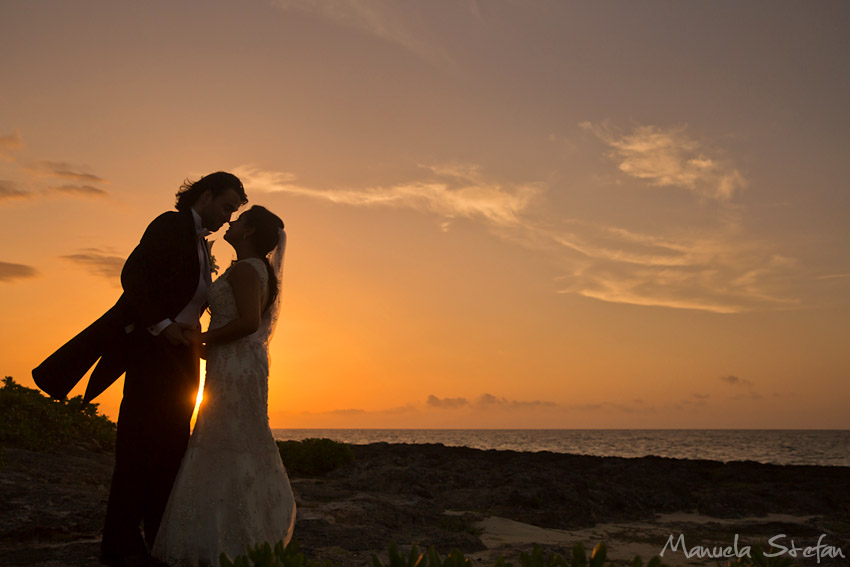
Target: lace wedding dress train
(232, 490)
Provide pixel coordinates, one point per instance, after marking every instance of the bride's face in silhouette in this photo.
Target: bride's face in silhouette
(238, 230)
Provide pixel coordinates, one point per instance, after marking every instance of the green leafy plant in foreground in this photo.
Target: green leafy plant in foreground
(654, 562)
(429, 558)
(31, 420)
(536, 558)
(264, 556)
(314, 457)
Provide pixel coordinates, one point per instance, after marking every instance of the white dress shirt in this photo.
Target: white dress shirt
(191, 313)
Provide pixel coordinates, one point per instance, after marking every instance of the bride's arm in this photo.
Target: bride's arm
(245, 282)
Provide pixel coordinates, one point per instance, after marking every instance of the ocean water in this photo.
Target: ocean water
(776, 446)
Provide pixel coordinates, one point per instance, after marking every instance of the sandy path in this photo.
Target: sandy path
(646, 539)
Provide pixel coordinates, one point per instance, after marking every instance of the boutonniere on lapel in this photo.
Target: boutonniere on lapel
(213, 265)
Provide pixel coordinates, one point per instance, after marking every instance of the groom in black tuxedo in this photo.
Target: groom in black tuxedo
(148, 334)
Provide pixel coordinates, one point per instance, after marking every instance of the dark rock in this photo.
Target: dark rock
(52, 504)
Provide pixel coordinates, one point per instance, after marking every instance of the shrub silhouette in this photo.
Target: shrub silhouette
(314, 457)
(31, 420)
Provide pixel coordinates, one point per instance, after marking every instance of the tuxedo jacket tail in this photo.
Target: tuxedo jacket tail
(159, 278)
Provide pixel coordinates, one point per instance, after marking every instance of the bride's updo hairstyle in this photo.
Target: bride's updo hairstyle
(266, 227)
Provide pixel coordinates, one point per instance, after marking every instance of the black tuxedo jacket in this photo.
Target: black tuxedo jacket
(159, 278)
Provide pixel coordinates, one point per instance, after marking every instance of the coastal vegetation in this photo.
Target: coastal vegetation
(30, 420)
(314, 457)
(290, 556)
(536, 558)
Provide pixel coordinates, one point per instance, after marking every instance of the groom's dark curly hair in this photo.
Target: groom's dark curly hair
(217, 182)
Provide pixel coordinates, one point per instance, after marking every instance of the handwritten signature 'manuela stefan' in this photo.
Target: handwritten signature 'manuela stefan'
(777, 548)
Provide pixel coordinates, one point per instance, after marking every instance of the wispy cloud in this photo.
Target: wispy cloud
(713, 276)
(63, 170)
(9, 144)
(347, 412)
(694, 402)
(446, 403)
(489, 401)
(79, 190)
(669, 157)
(716, 269)
(9, 191)
(453, 192)
(38, 179)
(743, 387)
(98, 262)
(489, 410)
(692, 410)
(10, 272)
(393, 22)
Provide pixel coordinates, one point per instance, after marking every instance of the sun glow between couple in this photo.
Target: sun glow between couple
(200, 397)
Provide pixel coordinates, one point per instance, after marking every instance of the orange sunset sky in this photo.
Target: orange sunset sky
(500, 213)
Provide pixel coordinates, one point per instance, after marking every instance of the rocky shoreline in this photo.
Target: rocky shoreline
(454, 497)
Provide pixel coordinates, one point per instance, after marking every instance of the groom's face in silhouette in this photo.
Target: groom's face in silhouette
(216, 210)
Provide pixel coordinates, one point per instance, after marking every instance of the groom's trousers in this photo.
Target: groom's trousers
(160, 388)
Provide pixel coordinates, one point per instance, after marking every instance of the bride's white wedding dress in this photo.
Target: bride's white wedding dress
(232, 490)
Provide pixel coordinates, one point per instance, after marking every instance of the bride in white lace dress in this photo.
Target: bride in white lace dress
(232, 490)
